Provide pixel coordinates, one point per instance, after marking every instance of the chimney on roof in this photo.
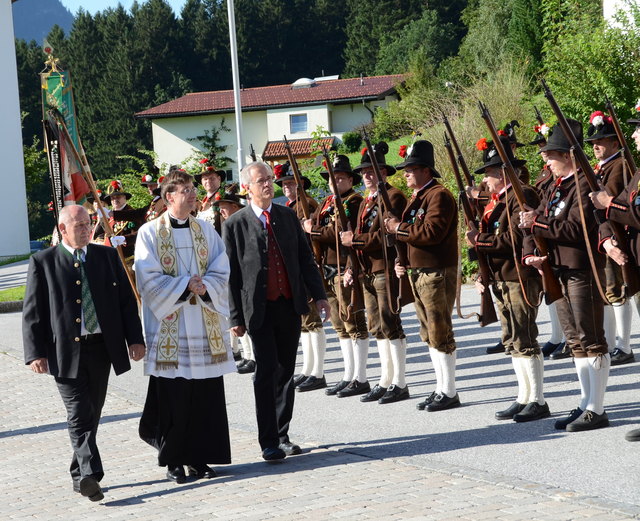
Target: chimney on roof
(361, 80)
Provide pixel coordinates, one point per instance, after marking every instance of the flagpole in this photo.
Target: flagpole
(236, 81)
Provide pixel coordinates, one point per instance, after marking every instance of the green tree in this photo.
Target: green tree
(209, 146)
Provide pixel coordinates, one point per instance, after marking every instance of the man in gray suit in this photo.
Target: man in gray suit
(272, 271)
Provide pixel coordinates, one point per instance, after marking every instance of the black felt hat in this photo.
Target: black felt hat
(600, 127)
(209, 167)
(230, 194)
(341, 164)
(490, 156)
(558, 141)
(115, 188)
(380, 150)
(420, 154)
(510, 130)
(284, 173)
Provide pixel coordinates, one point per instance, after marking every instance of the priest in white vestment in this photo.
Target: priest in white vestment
(182, 273)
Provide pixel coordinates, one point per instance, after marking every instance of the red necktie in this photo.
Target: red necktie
(267, 216)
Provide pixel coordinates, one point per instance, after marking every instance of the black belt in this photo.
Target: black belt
(93, 338)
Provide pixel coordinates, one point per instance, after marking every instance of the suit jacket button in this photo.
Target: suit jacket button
(78, 282)
(78, 301)
(77, 339)
(115, 284)
(76, 265)
(78, 320)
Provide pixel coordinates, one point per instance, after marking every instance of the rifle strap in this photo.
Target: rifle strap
(344, 314)
(585, 231)
(458, 295)
(513, 248)
(388, 269)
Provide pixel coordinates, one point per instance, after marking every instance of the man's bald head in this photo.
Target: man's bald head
(75, 226)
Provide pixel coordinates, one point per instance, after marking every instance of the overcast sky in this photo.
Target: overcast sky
(99, 5)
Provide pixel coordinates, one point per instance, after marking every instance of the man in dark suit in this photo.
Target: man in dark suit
(79, 316)
(272, 271)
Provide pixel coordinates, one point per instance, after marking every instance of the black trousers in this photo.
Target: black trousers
(275, 345)
(83, 397)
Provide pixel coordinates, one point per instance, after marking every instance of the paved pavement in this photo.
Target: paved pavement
(14, 274)
(366, 461)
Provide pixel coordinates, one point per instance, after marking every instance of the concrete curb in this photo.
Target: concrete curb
(11, 306)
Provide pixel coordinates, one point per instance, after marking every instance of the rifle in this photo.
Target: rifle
(252, 152)
(626, 151)
(487, 309)
(538, 115)
(388, 240)
(550, 284)
(631, 282)
(357, 297)
(302, 198)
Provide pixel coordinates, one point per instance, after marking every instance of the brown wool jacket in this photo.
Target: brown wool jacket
(625, 209)
(368, 239)
(495, 239)
(429, 226)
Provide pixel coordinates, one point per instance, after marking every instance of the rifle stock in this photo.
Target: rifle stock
(357, 297)
(487, 308)
(631, 281)
(550, 283)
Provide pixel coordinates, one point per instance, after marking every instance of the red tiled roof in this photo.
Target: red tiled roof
(299, 148)
(260, 98)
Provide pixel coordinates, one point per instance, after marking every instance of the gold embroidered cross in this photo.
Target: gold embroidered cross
(168, 347)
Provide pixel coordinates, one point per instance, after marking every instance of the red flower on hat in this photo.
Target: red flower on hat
(147, 178)
(502, 132)
(482, 144)
(160, 179)
(595, 115)
(115, 185)
(362, 152)
(204, 161)
(211, 169)
(277, 171)
(403, 151)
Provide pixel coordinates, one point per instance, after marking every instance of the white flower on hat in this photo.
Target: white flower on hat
(491, 153)
(597, 121)
(544, 129)
(410, 150)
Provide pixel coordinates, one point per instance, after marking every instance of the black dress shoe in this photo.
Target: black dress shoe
(298, 379)
(248, 367)
(395, 394)
(510, 411)
(374, 394)
(332, 391)
(550, 347)
(89, 487)
(531, 412)
(632, 435)
(573, 415)
(290, 449)
(312, 383)
(619, 357)
(562, 351)
(442, 402)
(273, 454)
(176, 473)
(498, 348)
(423, 405)
(588, 421)
(200, 471)
(354, 388)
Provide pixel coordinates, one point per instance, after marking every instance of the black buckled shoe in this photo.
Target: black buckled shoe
(89, 487)
(588, 421)
(550, 347)
(494, 350)
(354, 388)
(531, 412)
(374, 394)
(248, 367)
(333, 390)
(562, 351)
(311, 384)
(395, 394)
(442, 402)
(423, 405)
(176, 473)
(573, 415)
(619, 357)
(200, 471)
(290, 448)
(510, 411)
(298, 379)
(272, 454)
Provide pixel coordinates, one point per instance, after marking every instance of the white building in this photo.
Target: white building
(268, 114)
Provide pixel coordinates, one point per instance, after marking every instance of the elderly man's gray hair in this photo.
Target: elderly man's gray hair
(245, 173)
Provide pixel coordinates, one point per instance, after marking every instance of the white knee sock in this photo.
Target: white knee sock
(437, 368)
(448, 368)
(582, 368)
(610, 327)
(346, 347)
(361, 351)
(623, 325)
(524, 390)
(318, 348)
(307, 354)
(534, 370)
(399, 358)
(598, 375)
(235, 343)
(386, 366)
(557, 335)
(247, 347)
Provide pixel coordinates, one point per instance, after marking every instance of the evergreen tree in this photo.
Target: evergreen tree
(30, 60)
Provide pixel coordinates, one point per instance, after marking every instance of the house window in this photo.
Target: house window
(298, 123)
